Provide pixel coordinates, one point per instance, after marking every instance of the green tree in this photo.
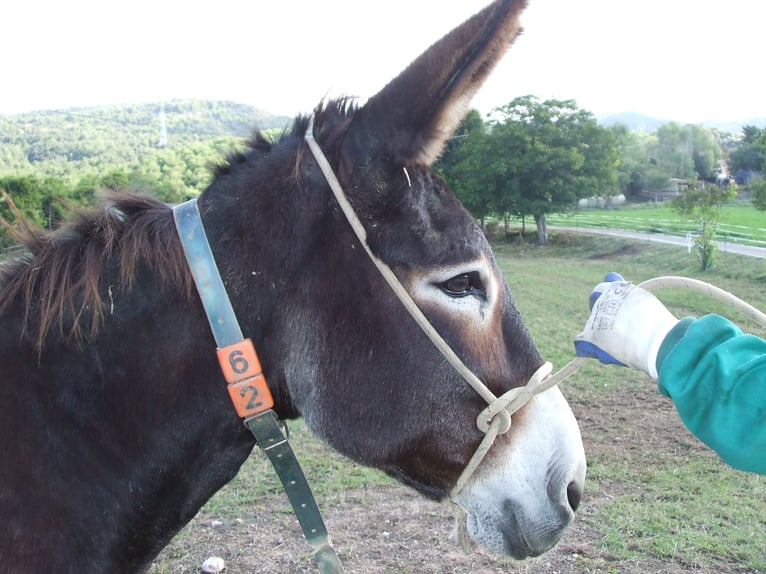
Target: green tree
(752, 134)
(758, 189)
(750, 155)
(462, 165)
(672, 151)
(703, 203)
(706, 152)
(543, 156)
(38, 199)
(649, 161)
(632, 165)
(84, 191)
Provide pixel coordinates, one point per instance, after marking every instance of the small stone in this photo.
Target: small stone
(213, 564)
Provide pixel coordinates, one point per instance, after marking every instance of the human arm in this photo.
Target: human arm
(715, 375)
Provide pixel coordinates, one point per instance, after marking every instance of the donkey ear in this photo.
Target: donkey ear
(413, 116)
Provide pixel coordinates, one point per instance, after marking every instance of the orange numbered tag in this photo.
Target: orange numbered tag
(247, 386)
(239, 361)
(251, 396)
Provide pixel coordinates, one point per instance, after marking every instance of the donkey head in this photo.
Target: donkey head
(413, 415)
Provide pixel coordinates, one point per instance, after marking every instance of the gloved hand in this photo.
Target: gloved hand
(626, 327)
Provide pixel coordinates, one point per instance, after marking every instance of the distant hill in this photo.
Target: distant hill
(116, 135)
(165, 148)
(634, 120)
(736, 127)
(641, 122)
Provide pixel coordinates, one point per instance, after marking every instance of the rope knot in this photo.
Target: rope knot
(496, 418)
(510, 402)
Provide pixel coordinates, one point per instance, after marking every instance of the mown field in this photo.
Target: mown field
(656, 499)
(741, 223)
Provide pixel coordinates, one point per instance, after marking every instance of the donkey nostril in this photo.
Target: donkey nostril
(574, 494)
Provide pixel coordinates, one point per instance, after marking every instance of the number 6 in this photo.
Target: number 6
(238, 362)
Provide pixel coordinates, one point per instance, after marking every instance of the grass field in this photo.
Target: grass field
(656, 499)
(741, 223)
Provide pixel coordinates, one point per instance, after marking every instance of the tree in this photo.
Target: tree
(462, 165)
(706, 152)
(632, 165)
(750, 156)
(542, 157)
(703, 203)
(649, 161)
(36, 198)
(758, 189)
(687, 152)
(752, 134)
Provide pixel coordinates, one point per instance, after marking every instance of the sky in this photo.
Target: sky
(682, 60)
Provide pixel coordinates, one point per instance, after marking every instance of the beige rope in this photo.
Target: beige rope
(389, 275)
(706, 289)
(496, 418)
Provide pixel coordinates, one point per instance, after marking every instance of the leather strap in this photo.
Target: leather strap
(273, 442)
(249, 393)
(215, 300)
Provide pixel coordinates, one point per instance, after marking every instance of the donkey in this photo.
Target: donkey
(116, 424)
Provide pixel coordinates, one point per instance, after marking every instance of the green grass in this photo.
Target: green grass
(552, 283)
(692, 513)
(328, 472)
(741, 223)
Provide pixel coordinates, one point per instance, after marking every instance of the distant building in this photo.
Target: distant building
(674, 188)
(746, 176)
(601, 202)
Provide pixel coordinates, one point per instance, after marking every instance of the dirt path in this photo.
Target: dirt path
(724, 246)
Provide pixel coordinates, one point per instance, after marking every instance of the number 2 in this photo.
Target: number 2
(252, 403)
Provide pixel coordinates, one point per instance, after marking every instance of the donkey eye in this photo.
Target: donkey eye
(462, 285)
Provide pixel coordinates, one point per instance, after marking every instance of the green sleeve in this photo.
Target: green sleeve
(716, 376)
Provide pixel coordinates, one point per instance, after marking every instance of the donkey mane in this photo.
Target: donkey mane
(61, 279)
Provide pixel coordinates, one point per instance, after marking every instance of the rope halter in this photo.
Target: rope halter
(496, 418)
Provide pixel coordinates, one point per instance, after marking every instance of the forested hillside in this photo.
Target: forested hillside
(67, 141)
(52, 158)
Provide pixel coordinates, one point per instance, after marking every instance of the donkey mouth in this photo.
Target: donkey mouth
(538, 542)
(514, 536)
(516, 544)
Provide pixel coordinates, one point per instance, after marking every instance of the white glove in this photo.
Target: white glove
(626, 327)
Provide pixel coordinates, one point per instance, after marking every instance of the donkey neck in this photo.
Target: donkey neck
(270, 236)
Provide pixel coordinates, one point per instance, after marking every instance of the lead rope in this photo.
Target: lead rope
(706, 289)
(496, 418)
(670, 281)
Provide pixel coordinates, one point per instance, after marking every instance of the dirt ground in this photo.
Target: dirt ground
(394, 530)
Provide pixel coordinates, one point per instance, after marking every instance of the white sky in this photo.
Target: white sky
(685, 60)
